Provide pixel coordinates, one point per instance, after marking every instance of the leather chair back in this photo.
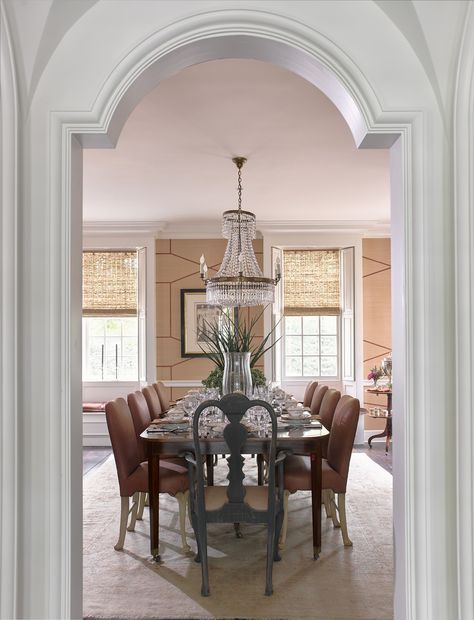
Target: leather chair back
(124, 441)
(341, 438)
(153, 401)
(317, 399)
(328, 407)
(141, 419)
(308, 393)
(161, 391)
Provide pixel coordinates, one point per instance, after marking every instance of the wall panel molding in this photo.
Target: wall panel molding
(9, 409)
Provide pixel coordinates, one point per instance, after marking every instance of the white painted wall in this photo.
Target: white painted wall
(383, 86)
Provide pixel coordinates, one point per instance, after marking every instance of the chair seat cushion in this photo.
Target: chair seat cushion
(255, 496)
(173, 478)
(298, 475)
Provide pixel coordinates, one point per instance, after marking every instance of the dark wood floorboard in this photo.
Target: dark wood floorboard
(93, 457)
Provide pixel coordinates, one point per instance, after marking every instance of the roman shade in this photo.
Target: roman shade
(109, 283)
(311, 282)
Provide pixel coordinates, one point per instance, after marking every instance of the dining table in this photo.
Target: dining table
(298, 439)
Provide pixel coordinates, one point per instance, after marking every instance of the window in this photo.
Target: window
(110, 316)
(311, 309)
(311, 346)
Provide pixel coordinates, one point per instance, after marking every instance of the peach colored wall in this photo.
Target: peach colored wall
(377, 314)
(177, 267)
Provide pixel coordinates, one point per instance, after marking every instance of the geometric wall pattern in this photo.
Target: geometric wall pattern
(377, 331)
(177, 267)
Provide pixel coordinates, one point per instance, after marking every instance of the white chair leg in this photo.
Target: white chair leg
(327, 502)
(333, 507)
(341, 503)
(182, 501)
(133, 512)
(141, 505)
(123, 523)
(147, 499)
(284, 525)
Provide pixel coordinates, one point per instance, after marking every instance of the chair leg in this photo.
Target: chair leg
(141, 505)
(341, 503)
(123, 523)
(133, 512)
(270, 553)
(333, 507)
(202, 546)
(182, 501)
(327, 502)
(284, 527)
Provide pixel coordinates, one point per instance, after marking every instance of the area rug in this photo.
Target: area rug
(345, 583)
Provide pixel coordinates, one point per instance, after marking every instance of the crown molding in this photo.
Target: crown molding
(213, 229)
(123, 227)
(367, 228)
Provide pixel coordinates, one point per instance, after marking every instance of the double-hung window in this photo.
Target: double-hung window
(110, 334)
(312, 311)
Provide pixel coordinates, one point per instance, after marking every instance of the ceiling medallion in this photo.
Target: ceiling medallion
(239, 281)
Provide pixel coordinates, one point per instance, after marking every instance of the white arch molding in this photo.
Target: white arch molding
(291, 45)
(354, 99)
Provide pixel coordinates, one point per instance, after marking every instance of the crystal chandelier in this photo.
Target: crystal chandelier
(239, 281)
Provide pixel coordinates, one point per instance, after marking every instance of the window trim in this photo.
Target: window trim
(113, 241)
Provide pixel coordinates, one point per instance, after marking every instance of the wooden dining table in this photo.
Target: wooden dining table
(299, 440)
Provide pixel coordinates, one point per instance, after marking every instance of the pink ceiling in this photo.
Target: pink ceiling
(173, 159)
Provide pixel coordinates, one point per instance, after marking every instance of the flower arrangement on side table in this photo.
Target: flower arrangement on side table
(375, 374)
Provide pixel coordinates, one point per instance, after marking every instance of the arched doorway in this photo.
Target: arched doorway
(356, 113)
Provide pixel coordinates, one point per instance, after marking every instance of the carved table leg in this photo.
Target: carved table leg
(382, 434)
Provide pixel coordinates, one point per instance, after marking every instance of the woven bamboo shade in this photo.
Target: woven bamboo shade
(109, 283)
(311, 282)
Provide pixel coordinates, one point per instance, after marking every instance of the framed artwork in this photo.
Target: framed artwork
(196, 315)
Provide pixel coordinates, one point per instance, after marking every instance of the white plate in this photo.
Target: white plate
(300, 416)
(174, 420)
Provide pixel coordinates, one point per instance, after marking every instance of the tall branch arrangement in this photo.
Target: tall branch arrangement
(229, 336)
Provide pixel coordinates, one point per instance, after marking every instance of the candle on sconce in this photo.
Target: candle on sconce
(204, 271)
(277, 268)
(202, 262)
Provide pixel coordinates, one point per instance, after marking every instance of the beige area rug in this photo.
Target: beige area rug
(344, 584)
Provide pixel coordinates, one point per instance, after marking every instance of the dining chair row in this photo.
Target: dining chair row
(339, 415)
(126, 420)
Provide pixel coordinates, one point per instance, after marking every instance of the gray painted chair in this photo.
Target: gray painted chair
(235, 502)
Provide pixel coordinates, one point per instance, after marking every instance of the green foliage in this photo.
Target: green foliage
(214, 379)
(232, 336)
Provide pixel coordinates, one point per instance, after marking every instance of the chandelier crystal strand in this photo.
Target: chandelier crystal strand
(239, 281)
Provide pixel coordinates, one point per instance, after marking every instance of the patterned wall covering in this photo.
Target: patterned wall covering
(377, 314)
(177, 267)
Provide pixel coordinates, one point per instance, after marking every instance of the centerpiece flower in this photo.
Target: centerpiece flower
(231, 341)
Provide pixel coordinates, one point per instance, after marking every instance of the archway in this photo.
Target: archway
(355, 106)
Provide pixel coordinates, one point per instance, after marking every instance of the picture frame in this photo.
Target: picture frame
(196, 313)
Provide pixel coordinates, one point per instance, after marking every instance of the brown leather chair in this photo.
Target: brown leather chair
(317, 399)
(133, 474)
(331, 400)
(153, 401)
(335, 467)
(141, 417)
(162, 395)
(308, 393)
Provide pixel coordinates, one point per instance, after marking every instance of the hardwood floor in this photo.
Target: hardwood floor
(93, 457)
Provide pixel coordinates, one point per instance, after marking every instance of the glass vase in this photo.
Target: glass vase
(237, 376)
